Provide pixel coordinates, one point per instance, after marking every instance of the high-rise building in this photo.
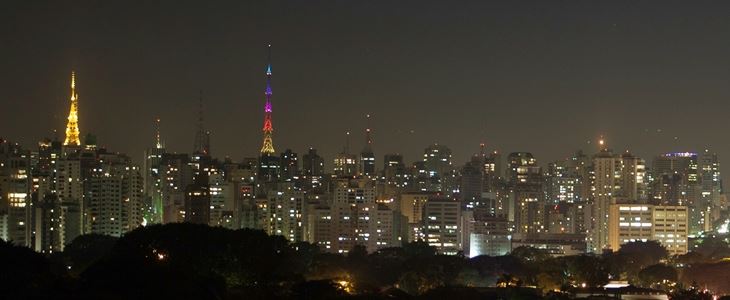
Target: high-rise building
(152, 177)
(706, 209)
(48, 227)
(411, 207)
(616, 178)
(521, 167)
(286, 212)
(70, 191)
(367, 158)
(222, 199)
(395, 175)
(197, 200)
(115, 202)
(351, 218)
(339, 227)
(44, 166)
(690, 179)
(671, 228)
(353, 191)
(666, 224)
(493, 171)
(471, 183)
(633, 185)
(289, 165)
(527, 196)
(490, 235)
(435, 173)
(312, 163)
(675, 178)
(563, 184)
(15, 199)
(441, 219)
(437, 160)
(177, 174)
(605, 175)
(345, 164)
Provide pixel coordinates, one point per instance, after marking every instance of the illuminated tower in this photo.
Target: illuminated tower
(72, 127)
(367, 158)
(202, 137)
(268, 146)
(269, 164)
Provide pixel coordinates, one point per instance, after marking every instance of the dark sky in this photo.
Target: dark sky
(543, 76)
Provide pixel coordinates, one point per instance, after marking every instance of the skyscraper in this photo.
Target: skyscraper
(345, 164)
(528, 199)
(605, 177)
(441, 216)
(115, 195)
(286, 212)
(437, 160)
(471, 183)
(14, 197)
(616, 178)
(152, 177)
(289, 165)
(707, 208)
(197, 200)
(72, 127)
(312, 163)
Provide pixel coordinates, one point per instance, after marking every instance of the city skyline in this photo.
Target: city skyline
(340, 150)
(405, 78)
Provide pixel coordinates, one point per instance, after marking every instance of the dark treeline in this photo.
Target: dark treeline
(186, 261)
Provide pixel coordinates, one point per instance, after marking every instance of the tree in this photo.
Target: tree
(713, 276)
(358, 252)
(588, 269)
(548, 282)
(658, 276)
(26, 274)
(690, 258)
(419, 282)
(692, 293)
(85, 250)
(530, 254)
(419, 249)
(194, 261)
(508, 280)
(318, 289)
(713, 248)
(638, 255)
(616, 264)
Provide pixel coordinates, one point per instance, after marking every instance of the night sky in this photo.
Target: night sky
(543, 76)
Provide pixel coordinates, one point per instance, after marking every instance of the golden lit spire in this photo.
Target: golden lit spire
(72, 127)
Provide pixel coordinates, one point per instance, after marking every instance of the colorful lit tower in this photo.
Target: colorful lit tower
(268, 146)
(72, 127)
(269, 163)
